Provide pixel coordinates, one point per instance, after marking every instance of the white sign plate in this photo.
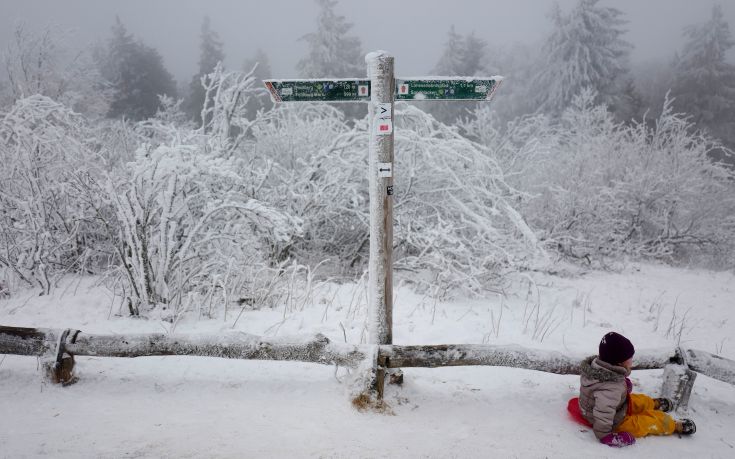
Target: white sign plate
(384, 111)
(385, 169)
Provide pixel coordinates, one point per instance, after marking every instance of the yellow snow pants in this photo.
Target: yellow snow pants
(643, 420)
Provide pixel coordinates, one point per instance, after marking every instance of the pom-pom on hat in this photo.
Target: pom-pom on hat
(615, 348)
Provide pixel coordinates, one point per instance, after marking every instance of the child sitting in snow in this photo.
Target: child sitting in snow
(605, 399)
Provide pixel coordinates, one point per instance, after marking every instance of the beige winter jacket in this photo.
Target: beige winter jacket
(603, 395)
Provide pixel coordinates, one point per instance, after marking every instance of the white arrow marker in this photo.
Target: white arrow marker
(384, 111)
(385, 169)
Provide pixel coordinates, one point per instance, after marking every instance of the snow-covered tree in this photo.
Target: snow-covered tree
(137, 75)
(332, 52)
(210, 54)
(704, 82)
(653, 80)
(462, 55)
(41, 63)
(585, 50)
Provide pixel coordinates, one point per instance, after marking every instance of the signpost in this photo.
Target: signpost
(319, 90)
(445, 88)
(381, 90)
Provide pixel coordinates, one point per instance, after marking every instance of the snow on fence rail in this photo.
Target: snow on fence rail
(45, 341)
(60, 346)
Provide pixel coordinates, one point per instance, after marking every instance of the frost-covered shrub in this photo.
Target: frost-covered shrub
(455, 213)
(187, 217)
(602, 189)
(184, 219)
(46, 229)
(455, 226)
(316, 170)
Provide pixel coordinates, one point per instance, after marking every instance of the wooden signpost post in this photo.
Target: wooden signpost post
(381, 90)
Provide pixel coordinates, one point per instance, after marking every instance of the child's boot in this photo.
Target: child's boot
(663, 404)
(685, 427)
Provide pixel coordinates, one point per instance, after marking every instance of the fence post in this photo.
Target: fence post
(678, 381)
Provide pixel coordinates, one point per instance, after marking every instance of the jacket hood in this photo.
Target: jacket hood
(596, 369)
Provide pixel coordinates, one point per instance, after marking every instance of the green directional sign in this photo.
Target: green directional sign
(446, 88)
(319, 90)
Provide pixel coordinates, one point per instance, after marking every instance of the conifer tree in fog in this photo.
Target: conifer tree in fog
(463, 55)
(331, 51)
(137, 75)
(704, 82)
(585, 50)
(211, 52)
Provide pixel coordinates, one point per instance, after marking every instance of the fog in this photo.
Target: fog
(413, 30)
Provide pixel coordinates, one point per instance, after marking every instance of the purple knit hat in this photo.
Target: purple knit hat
(615, 348)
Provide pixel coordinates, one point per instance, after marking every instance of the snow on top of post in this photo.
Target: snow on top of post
(376, 55)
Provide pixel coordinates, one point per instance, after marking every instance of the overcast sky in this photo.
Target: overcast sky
(412, 30)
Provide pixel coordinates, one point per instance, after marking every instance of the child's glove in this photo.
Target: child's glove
(618, 440)
(629, 385)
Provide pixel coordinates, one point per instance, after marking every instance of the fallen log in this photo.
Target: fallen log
(710, 365)
(316, 349)
(445, 355)
(27, 341)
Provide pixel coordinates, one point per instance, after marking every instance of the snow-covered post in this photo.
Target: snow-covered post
(380, 170)
(679, 380)
(678, 384)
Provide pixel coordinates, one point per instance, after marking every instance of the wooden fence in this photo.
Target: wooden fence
(58, 348)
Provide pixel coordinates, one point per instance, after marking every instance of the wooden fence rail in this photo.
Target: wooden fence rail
(56, 345)
(44, 341)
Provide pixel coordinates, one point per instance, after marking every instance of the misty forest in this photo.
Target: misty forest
(186, 203)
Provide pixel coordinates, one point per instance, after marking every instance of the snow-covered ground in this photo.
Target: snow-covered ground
(206, 407)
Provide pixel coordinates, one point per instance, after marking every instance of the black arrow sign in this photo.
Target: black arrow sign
(383, 170)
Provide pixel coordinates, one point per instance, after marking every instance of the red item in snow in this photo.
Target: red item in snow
(575, 413)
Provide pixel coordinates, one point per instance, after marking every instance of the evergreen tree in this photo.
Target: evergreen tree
(585, 50)
(704, 83)
(211, 53)
(137, 75)
(462, 55)
(449, 61)
(332, 52)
